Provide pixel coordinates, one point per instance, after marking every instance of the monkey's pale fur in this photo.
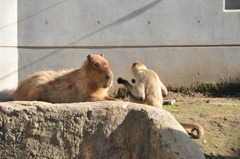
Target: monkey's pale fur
(89, 83)
(148, 89)
(193, 129)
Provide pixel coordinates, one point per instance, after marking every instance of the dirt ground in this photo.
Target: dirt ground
(220, 118)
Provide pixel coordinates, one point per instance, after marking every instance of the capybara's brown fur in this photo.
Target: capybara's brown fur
(89, 83)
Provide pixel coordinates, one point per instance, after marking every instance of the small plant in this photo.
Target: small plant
(122, 93)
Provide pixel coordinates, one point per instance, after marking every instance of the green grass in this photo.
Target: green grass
(208, 110)
(221, 137)
(220, 144)
(172, 107)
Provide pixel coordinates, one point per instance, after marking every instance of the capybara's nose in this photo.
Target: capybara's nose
(107, 77)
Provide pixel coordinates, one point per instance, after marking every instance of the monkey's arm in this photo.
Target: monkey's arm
(136, 90)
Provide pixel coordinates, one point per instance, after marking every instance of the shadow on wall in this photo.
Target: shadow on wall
(33, 15)
(6, 95)
(124, 19)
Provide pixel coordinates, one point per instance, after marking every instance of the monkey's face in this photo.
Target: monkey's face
(100, 71)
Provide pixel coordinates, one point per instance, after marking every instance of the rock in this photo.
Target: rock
(92, 130)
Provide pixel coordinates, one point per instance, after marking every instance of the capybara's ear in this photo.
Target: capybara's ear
(89, 58)
(102, 55)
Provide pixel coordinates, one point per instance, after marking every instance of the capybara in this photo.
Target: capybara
(89, 83)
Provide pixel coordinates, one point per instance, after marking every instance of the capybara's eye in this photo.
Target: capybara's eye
(96, 65)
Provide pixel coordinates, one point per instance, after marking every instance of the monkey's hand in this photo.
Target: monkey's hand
(121, 81)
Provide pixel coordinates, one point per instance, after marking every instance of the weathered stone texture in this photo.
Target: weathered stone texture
(97, 130)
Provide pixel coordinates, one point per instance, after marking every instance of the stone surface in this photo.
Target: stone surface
(109, 130)
(120, 23)
(8, 23)
(8, 68)
(8, 43)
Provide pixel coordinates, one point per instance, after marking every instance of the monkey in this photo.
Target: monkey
(147, 88)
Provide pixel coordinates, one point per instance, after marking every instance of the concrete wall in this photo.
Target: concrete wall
(175, 66)
(121, 23)
(181, 40)
(8, 43)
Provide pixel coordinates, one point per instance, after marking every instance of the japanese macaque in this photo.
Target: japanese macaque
(147, 88)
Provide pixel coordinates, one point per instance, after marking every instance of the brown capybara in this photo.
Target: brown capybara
(89, 83)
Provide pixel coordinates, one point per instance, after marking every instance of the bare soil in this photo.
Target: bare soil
(220, 118)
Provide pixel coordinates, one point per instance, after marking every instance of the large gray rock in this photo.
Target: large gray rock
(94, 130)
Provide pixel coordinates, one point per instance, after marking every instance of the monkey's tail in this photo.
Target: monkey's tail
(6, 95)
(194, 130)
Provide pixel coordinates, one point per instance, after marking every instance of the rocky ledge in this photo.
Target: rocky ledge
(92, 130)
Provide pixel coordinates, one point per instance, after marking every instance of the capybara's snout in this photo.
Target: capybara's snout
(108, 80)
(107, 77)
